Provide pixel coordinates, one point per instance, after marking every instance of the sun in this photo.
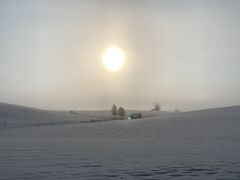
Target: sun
(113, 58)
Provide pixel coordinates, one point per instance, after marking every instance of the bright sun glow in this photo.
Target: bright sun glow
(113, 58)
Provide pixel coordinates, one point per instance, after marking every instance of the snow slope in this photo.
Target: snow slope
(21, 116)
(193, 145)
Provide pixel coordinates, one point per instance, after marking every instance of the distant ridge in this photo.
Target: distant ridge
(22, 116)
(217, 108)
(230, 111)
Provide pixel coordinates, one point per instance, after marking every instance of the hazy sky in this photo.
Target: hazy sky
(183, 54)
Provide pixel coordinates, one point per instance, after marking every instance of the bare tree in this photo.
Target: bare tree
(121, 112)
(114, 110)
(177, 110)
(4, 123)
(156, 107)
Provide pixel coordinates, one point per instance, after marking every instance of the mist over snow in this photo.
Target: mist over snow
(184, 54)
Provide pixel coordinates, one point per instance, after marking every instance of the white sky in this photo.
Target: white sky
(182, 54)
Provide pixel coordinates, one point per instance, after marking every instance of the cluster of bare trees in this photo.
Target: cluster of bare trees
(121, 112)
(157, 107)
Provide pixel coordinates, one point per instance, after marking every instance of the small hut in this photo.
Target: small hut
(135, 116)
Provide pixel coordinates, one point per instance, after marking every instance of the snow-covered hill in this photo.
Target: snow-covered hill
(21, 116)
(191, 145)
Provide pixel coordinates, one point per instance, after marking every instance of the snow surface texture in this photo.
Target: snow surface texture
(193, 145)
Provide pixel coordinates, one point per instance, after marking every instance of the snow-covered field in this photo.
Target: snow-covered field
(193, 145)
